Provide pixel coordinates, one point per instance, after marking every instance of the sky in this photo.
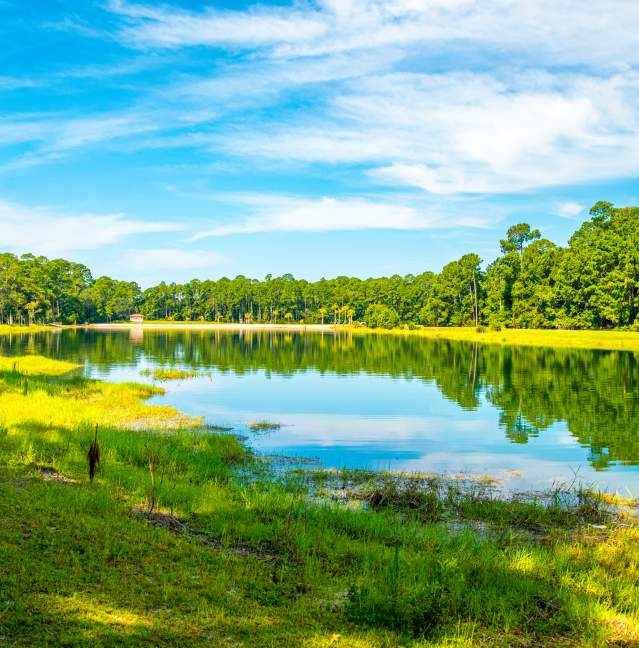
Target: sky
(165, 141)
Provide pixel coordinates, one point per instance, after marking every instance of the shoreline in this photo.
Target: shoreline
(595, 340)
(205, 326)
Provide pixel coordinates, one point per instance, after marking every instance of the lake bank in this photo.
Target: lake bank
(549, 338)
(10, 329)
(254, 562)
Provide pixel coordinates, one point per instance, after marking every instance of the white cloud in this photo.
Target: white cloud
(570, 209)
(468, 133)
(171, 259)
(287, 214)
(13, 83)
(561, 32)
(177, 28)
(43, 231)
(334, 74)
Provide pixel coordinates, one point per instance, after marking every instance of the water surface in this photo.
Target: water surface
(529, 416)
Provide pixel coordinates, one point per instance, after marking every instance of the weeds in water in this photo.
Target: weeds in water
(264, 426)
(170, 374)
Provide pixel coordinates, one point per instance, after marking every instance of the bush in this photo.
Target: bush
(381, 316)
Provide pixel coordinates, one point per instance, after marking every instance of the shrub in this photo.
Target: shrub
(381, 316)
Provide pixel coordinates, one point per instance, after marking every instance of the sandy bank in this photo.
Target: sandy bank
(196, 326)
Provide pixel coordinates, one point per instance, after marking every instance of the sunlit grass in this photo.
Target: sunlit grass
(608, 340)
(33, 365)
(6, 329)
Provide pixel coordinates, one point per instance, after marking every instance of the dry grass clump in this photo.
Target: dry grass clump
(264, 426)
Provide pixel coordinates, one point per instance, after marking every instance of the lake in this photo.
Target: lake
(529, 416)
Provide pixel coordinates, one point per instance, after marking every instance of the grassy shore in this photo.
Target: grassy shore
(604, 340)
(6, 329)
(183, 538)
(569, 339)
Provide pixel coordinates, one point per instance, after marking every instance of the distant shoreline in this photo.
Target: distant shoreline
(593, 339)
(212, 326)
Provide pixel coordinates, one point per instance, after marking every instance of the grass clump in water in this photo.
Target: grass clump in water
(264, 426)
(163, 375)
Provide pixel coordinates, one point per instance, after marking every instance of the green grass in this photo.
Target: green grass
(9, 329)
(34, 365)
(605, 340)
(163, 374)
(232, 555)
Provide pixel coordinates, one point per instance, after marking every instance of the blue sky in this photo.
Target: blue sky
(363, 137)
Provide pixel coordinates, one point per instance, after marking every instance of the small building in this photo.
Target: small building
(136, 318)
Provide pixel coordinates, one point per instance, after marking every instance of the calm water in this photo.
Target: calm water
(528, 416)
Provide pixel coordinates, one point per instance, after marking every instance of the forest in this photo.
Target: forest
(592, 282)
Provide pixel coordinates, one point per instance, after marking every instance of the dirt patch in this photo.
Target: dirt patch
(52, 475)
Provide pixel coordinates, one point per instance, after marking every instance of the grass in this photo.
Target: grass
(233, 556)
(9, 329)
(163, 375)
(604, 340)
(34, 365)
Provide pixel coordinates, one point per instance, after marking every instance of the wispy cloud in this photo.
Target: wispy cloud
(45, 231)
(17, 83)
(289, 214)
(349, 82)
(570, 209)
(172, 27)
(467, 133)
(171, 259)
(328, 26)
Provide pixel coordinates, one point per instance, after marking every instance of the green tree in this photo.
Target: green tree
(381, 316)
(517, 237)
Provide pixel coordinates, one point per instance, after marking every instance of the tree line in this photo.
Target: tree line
(592, 282)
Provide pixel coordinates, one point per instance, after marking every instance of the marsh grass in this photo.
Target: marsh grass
(568, 339)
(234, 555)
